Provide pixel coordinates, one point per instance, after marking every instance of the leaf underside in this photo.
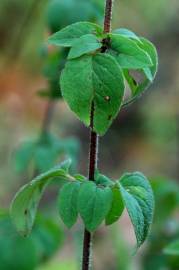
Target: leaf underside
(24, 205)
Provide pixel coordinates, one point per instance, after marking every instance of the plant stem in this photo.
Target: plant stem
(108, 16)
(93, 151)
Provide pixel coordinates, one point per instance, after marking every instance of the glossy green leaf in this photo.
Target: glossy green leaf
(149, 72)
(117, 206)
(68, 35)
(95, 78)
(148, 47)
(67, 203)
(127, 33)
(138, 198)
(83, 45)
(128, 54)
(94, 204)
(172, 248)
(24, 205)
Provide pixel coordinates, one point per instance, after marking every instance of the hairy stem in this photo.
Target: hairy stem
(93, 151)
(108, 16)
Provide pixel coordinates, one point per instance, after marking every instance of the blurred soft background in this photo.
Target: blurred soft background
(37, 130)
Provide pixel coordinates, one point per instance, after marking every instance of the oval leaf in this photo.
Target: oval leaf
(83, 45)
(68, 35)
(127, 33)
(94, 204)
(24, 205)
(138, 198)
(67, 203)
(128, 54)
(149, 72)
(95, 78)
(117, 207)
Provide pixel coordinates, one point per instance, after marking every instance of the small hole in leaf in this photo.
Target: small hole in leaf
(25, 212)
(107, 98)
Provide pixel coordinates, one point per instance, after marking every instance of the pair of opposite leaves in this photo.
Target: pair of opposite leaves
(95, 202)
(91, 76)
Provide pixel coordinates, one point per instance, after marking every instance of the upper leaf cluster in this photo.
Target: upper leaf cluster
(98, 68)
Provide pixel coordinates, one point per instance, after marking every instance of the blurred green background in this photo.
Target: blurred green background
(144, 137)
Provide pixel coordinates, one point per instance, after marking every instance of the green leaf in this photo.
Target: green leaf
(67, 203)
(149, 72)
(172, 248)
(68, 35)
(150, 49)
(24, 205)
(139, 200)
(80, 177)
(127, 33)
(128, 54)
(117, 206)
(94, 204)
(83, 45)
(95, 78)
(103, 180)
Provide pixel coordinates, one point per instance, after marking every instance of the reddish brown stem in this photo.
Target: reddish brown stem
(93, 151)
(108, 16)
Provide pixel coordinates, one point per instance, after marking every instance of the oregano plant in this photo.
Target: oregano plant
(100, 64)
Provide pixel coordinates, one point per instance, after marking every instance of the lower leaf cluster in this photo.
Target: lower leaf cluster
(95, 201)
(105, 200)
